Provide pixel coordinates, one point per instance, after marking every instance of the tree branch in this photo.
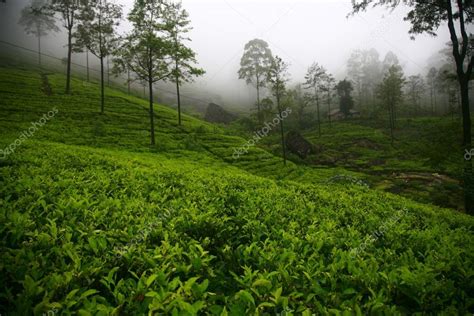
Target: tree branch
(465, 39)
(454, 38)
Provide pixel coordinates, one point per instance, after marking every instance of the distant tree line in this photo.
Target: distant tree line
(427, 17)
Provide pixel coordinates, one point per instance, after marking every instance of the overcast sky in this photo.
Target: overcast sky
(299, 31)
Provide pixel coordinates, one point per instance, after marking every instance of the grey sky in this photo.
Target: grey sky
(301, 32)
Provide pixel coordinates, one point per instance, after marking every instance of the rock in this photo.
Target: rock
(297, 144)
(216, 114)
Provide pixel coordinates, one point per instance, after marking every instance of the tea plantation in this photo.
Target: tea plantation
(95, 222)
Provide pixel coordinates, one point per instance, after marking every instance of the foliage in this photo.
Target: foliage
(97, 32)
(69, 12)
(99, 223)
(314, 77)
(183, 56)
(277, 76)
(178, 24)
(148, 50)
(129, 233)
(415, 90)
(390, 92)
(427, 17)
(37, 19)
(254, 65)
(346, 102)
(364, 69)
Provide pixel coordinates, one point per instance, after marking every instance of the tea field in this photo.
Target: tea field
(95, 222)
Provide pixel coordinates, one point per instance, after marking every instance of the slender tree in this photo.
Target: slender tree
(184, 57)
(416, 87)
(344, 89)
(68, 11)
(277, 77)
(328, 87)
(355, 73)
(267, 107)
(390, 92)
(254, 65)
(426, 17)
(314, 80)
(96, 32)
(147, 49)
(38, 19)
(431, 80)
(389, 60)
(87, 65)
(300, 102)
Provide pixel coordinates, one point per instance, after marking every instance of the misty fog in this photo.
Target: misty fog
(301, 32)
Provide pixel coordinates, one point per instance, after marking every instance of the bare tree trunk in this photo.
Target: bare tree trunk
(178, 95)
(281, 129)
(102, 100)
(317, 109)
(179, 103)
(468, 174)
(87, 64)
(259, 114)
(431, 100)
(128, 81)
(152, 113)
(108, 72)
(463, 79)
(69, 55)
(39, 50)
(329, 107)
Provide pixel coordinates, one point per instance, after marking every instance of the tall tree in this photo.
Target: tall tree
(390, 92)
(389, 60)
(431, 80)
(328, 87)
(415, 89)
(364, 69)
(68, 11)
(147, 50)
(426, 17)
(96, 32)
(38, 19)
(277, 77)
(344, 89)
(447, 83)
(267, 107)
(254, 65)
(354, 71)
(184, 57)
(372, 71)
(297, 99)
(314, 80)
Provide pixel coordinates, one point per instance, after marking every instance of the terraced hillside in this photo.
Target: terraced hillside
(424, 163)
(96, 222)
(125, 125)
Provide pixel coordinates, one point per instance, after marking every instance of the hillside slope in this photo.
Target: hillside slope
(94, 221)
(125, 125)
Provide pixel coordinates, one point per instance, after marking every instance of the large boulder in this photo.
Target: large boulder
(216, 114)
(297, 144)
